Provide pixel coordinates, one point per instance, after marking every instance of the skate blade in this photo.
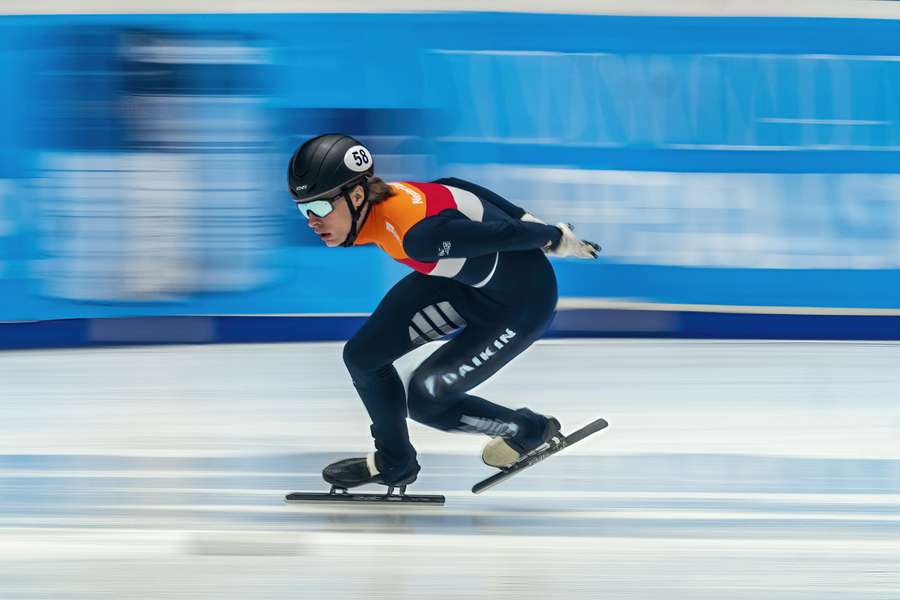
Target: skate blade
(345, 497)
(539, 455)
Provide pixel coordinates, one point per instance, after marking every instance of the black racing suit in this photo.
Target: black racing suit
(487, 327)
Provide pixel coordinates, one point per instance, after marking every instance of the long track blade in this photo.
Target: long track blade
(576, 436)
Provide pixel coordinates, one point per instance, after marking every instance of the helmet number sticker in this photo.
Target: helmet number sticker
(357, 159)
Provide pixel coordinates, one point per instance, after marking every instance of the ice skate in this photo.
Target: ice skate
(504, 452)
(353, 472)
(545, 450)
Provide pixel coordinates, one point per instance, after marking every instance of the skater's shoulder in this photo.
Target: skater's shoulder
(412, 201)
(389, 220)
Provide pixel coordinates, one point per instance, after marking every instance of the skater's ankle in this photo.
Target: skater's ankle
(395, 474)
(532, 434)
(372, 464)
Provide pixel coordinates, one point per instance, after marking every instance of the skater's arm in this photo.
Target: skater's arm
(450, 234)
(485, 195)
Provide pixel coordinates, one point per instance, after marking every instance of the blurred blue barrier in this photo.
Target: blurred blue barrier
(743, 162)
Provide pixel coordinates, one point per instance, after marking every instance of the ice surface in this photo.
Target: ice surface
(729, 470)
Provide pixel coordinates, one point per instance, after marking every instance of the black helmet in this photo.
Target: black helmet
(330, 165)
(327, 164)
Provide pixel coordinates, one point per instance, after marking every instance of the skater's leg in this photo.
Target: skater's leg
(438, 388)
(504, 320)
(416, 310)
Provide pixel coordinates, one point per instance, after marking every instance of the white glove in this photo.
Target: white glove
(569, 245)
(530, 218)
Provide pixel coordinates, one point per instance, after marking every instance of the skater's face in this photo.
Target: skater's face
(334, 227)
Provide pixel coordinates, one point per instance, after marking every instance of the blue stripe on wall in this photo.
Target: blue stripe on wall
(609, 323)
(677, 161)
(529, 31)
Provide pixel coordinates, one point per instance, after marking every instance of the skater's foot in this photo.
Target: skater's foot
(352, 472)
(503, 452)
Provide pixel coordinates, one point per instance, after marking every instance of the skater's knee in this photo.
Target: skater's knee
(432, 382)
(425, 397)
(423, 386)
(357, 357)
(350, 354)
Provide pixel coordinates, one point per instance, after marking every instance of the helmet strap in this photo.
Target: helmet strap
(355, 223)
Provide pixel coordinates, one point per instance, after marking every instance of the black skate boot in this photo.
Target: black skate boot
(504, 452)
(353, 472)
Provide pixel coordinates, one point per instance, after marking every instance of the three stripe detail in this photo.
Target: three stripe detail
(433, 322)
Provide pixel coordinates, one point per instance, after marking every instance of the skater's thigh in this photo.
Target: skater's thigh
(478, 352)
(418, 309)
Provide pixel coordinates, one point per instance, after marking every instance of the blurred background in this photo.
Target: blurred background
(743, 165)
(736, 160)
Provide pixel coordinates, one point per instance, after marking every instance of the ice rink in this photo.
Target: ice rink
(730, 470)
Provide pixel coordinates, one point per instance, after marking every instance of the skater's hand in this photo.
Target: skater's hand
(569, 245)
